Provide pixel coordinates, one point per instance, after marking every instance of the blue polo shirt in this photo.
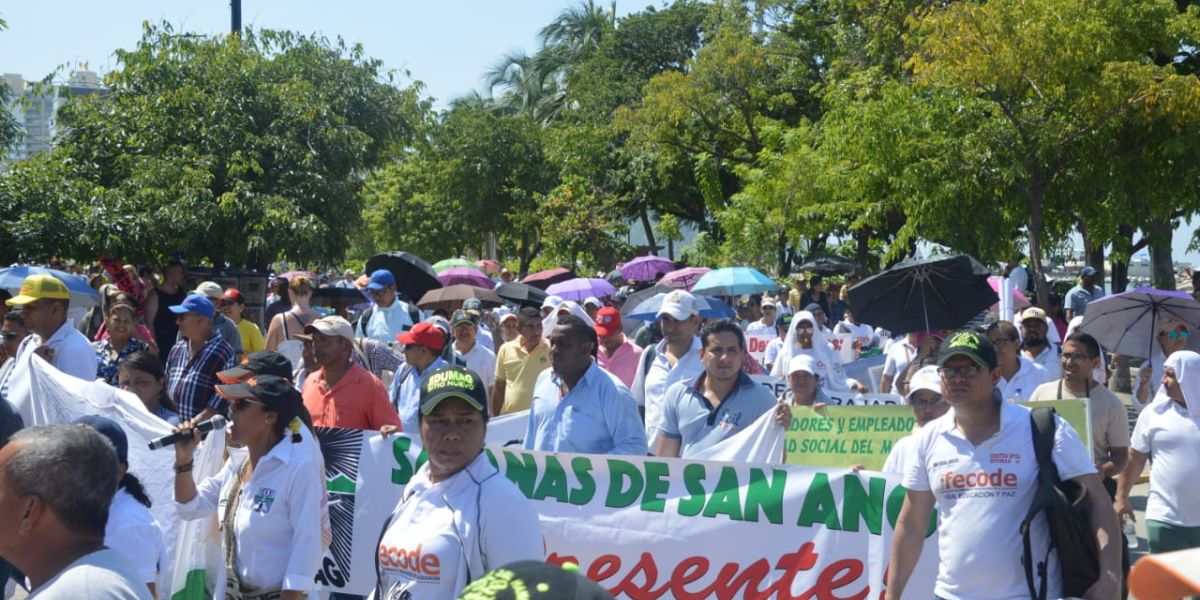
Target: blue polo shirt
(687, 415)
(598, 416)
(405, 394)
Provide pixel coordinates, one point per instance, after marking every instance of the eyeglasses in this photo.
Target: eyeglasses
(966, 372)
(243, 403)
(1075, 356)
(807, 326)
(1178, 334)
(920, 403)
(11, 335)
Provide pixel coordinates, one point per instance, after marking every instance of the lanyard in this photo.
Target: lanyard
(1087, 389)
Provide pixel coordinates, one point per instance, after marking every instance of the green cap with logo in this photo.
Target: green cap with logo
(453, 382)
(970, 344)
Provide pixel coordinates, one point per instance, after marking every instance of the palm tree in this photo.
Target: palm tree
(525, 86)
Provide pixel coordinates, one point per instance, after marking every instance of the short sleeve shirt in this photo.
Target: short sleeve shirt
(1110, 422)
(357, 401)
(519, 369)
(983, 492)
(1171, 438)
(688, 416)
(1078, 298)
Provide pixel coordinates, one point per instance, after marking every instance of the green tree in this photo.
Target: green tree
(9, 132)
(239, 149)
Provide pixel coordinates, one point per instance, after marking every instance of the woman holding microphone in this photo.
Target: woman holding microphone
(267, 497)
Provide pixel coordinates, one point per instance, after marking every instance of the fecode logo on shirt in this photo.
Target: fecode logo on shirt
(979, 484)
(422, 567)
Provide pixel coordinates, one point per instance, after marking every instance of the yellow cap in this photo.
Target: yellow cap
(37, 287)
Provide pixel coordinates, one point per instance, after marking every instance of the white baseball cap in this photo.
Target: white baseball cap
(593, 301)
(210, 289)
(769, 302)
(926, 378)
(332, 326)
(802, 362)
(504, 313)
(552, 302)
(679, 304)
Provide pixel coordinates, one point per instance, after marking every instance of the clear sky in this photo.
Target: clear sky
(446, 44)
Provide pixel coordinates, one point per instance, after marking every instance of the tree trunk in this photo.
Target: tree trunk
(1037, 196)
(648, 228)
(862, 250)
(1093, 251)
(782, 252)
(1122, 243)
(1161, 264)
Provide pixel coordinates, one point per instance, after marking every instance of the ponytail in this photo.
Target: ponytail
(131, 484)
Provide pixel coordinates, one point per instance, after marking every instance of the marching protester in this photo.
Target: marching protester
(1170, 336)
(815, 294)
(864, 335)
(423, 346)
(14, 330)
(618, 354)
(718, 403)
(56, 488)
(389, 316)
(143, 374)
(1019, 376)
(1083, 293)
(232, 304)
(194, 361)
(227, 328)
(44, 301)
(519, 364)
(1168, 433)
(805, 337)
(579, 407)
(120, 343)
(592, 306)
(458, 510)
(1035, 346)
(804, 383)
(925, 398)
(285, 326)
(771, 354)
(506, 325)
(550, 305)
(266, 497)
(674, 359)
(943, 472)
(483, 321)
(765, 325)
(819, 316)
(341, 393)
(895, 365)
(278, 301)
(467, 346)
(131, 530)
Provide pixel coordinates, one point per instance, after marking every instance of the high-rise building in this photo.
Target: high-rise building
(35, 108)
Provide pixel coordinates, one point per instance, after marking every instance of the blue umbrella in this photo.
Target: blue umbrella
(82, 294)
(733, 281)
(710, 308)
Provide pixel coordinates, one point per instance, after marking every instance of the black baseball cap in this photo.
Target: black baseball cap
(264, 362)
(970, 344)
(271, 390)
(111, 430)
(453, 382)
(535, 580)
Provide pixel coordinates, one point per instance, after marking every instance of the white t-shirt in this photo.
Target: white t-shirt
(759, 328)
(444, 535)
(1047, 360)
(983, 493)
(903, 453)
(101, 575)
(650, 387)
(899, 354)
(863, 334)
(1171, 438)
(481, 360)
(1023, 383)
(772, 353)
(133, 532)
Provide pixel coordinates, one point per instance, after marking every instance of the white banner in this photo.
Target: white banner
(779, 387)
(757, 345)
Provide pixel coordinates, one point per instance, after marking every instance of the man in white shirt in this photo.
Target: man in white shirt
(676, 358)
(389, 317)
(977, 465)
(925, 398)
(476, 355)
(56, 485)
(1035, 345)
(864, 335)
(44, 301)
(1019, 376)
(765, 325)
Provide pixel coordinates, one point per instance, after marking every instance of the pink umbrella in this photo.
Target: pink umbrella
(1019, 299)
(466, 276)
(683, 278)
(488, 266)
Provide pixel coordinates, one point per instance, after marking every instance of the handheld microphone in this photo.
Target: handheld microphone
(203, 427)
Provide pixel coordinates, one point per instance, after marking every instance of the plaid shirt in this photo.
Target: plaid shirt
(191, 379)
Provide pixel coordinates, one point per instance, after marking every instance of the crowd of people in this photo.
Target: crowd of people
(680, 385)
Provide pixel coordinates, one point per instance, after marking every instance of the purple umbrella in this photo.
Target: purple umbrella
(683, 278)
(466, 276)
(647, 268)
(580, 288)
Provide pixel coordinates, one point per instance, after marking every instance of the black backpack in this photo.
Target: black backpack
(1066, 507)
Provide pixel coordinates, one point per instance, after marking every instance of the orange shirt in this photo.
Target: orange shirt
(357, 401)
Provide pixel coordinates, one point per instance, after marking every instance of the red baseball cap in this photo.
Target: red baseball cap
(232, 294)
(423, 334)
(608, 321)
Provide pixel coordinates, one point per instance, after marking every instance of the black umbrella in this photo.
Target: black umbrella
(413, 275)
(327, 296)
(632, 301)
(615, 277)
(525, 295)
(939, 292)
(828, 264)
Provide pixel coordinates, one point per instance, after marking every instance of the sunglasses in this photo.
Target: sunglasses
(1175, 335)
(243, 403)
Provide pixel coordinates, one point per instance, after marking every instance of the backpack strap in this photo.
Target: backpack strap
(398, 382)
(363, 318)
(357, 346)
(648, 359)
(1042, 426)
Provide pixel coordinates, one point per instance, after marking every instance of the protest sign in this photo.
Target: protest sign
(844, 347)
(840, 436)
(757, 345)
